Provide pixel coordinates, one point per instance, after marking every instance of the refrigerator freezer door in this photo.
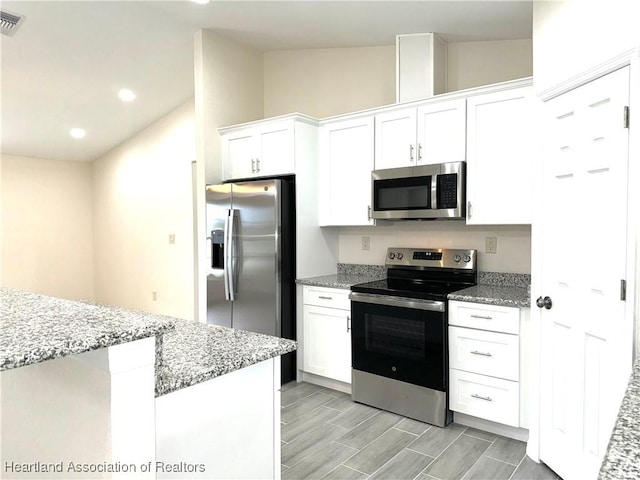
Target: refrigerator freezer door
(256, 257)
(218, 206)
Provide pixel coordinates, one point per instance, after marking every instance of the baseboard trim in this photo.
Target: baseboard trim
(521, 434)
(324, 382)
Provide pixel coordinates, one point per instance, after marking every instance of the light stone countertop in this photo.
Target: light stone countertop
(507, 296)
(347, 275)
(35, 328)
(195, 352)
(622, 460)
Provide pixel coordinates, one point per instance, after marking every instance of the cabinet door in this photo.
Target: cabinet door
(346, 161)
(442, 132)
(239, 153)
(500, 146)
(275, 149)
(327, 342)
(395, 144)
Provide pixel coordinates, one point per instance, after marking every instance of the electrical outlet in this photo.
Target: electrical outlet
(365, 243)
(154, 296)
(172, 238)
(491, 245)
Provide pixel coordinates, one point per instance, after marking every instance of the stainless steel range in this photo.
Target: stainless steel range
(399, 332)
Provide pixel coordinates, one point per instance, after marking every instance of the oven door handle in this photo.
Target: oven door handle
(390, 301)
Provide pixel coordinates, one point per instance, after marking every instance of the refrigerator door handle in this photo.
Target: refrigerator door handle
(231, 255)
(227, 264)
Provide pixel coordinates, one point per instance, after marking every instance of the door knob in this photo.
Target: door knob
(544, 302)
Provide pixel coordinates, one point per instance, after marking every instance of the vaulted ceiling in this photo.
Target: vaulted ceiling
(66, 63)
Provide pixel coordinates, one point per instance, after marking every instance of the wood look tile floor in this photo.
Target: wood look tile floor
(325, 435)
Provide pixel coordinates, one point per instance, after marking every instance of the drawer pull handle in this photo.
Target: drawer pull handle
(484, 354)
(480, 397)
(483, 317)
(322, 297)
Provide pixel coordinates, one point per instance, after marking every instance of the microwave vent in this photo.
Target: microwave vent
(10, 22)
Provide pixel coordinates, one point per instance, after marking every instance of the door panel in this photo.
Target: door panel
(218, 204)
(395, 139)
(584, 225)
(256, 248)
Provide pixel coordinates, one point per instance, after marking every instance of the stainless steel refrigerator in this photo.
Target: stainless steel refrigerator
(251, 244)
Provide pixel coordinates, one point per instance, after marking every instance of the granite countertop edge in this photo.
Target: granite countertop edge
(506, 296)
(620, 460)
(38, 328)
(195, 352)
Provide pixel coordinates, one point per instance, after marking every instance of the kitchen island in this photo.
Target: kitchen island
(90, 391)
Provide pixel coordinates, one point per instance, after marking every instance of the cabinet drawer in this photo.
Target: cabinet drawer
(487, 353)
(327, 297)
(484, 397)
(485, 317)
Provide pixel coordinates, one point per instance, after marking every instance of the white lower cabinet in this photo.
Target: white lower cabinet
(327, 333)
(485, 397)
(484, 362)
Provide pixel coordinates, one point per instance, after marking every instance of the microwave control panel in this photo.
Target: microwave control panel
(447, 190)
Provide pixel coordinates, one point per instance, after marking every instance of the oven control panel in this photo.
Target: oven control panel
(431, 257)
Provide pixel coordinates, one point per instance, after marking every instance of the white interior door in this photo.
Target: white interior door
(585, 335)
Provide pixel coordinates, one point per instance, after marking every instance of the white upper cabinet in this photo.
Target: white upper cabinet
(395, 144)
(259, 150)
(500, 149)
(442, 132)
(423, 135)
(346, 161)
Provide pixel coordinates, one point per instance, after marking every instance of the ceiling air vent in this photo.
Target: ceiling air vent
(10, 22)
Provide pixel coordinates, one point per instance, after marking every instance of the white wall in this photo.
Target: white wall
(229, 89)
(328, 81)
(573, 36)
(472, 64)
(513, 253)
(142, 193)
(333, 81)
(46, 230)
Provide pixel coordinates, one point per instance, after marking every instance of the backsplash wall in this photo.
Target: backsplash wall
(513, 252)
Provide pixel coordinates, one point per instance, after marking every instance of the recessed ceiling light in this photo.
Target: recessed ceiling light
(201, 2)
(77, 132)
(126, 95)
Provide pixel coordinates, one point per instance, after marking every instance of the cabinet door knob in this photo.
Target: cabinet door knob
(411, 148)
(253, 165)
(258, 165)
(348, 323)
(544, 302)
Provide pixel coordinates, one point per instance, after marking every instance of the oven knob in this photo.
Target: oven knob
(467, 258)
(400, 255)
(392, 255)
(456, 258)
(393, 369)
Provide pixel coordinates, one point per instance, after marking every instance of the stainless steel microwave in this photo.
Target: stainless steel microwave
(419, 193)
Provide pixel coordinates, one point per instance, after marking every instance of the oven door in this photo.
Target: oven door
(400, 338)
